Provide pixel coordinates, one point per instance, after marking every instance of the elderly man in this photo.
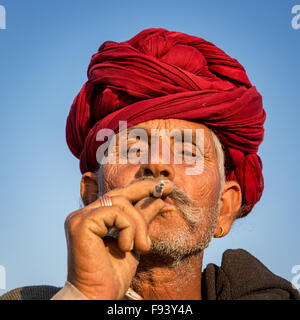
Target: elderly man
(148, 214)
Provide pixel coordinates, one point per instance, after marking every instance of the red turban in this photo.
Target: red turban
(160, 74)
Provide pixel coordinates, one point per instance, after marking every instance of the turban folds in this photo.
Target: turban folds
(161, 74)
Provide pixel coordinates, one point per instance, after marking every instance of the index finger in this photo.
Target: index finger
(135, 191)
(141, 189)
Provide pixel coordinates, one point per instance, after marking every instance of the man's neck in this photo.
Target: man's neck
(182, 281)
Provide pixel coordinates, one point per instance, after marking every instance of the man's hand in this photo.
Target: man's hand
(102, 268)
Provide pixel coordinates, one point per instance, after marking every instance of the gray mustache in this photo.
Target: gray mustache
(190, 210)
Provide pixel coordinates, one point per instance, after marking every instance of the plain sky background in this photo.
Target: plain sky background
(44, 54)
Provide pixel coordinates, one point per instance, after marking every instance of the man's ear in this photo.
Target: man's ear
(230, 204)
(89, 188)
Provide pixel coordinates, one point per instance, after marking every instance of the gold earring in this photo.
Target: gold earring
(221, 234)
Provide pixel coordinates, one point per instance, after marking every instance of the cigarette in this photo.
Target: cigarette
(159, 189)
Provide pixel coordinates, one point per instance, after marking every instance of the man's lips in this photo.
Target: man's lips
(168, 202)
(169, 205)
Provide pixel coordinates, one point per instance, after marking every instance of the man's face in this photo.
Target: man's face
(178, 230)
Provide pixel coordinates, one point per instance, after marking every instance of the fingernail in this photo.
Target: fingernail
(149, 241)
(132, 245)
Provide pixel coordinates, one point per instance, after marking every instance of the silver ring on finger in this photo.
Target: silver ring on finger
(105, 201)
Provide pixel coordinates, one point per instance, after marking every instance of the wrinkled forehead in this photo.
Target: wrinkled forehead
(170, 124)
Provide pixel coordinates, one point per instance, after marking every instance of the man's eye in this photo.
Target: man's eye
(189, 153)
(134, 150)
(189, 150)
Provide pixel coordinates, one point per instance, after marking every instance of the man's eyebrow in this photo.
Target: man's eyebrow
(192, 138)
(127, 131)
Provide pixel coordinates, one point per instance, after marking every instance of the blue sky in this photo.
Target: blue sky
(44, 54)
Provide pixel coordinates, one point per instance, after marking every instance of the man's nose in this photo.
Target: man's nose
(157, 170)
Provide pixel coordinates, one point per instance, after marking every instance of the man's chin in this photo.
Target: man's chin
(167, 221)
(168, 254)
(172, 238)
(170, 241)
